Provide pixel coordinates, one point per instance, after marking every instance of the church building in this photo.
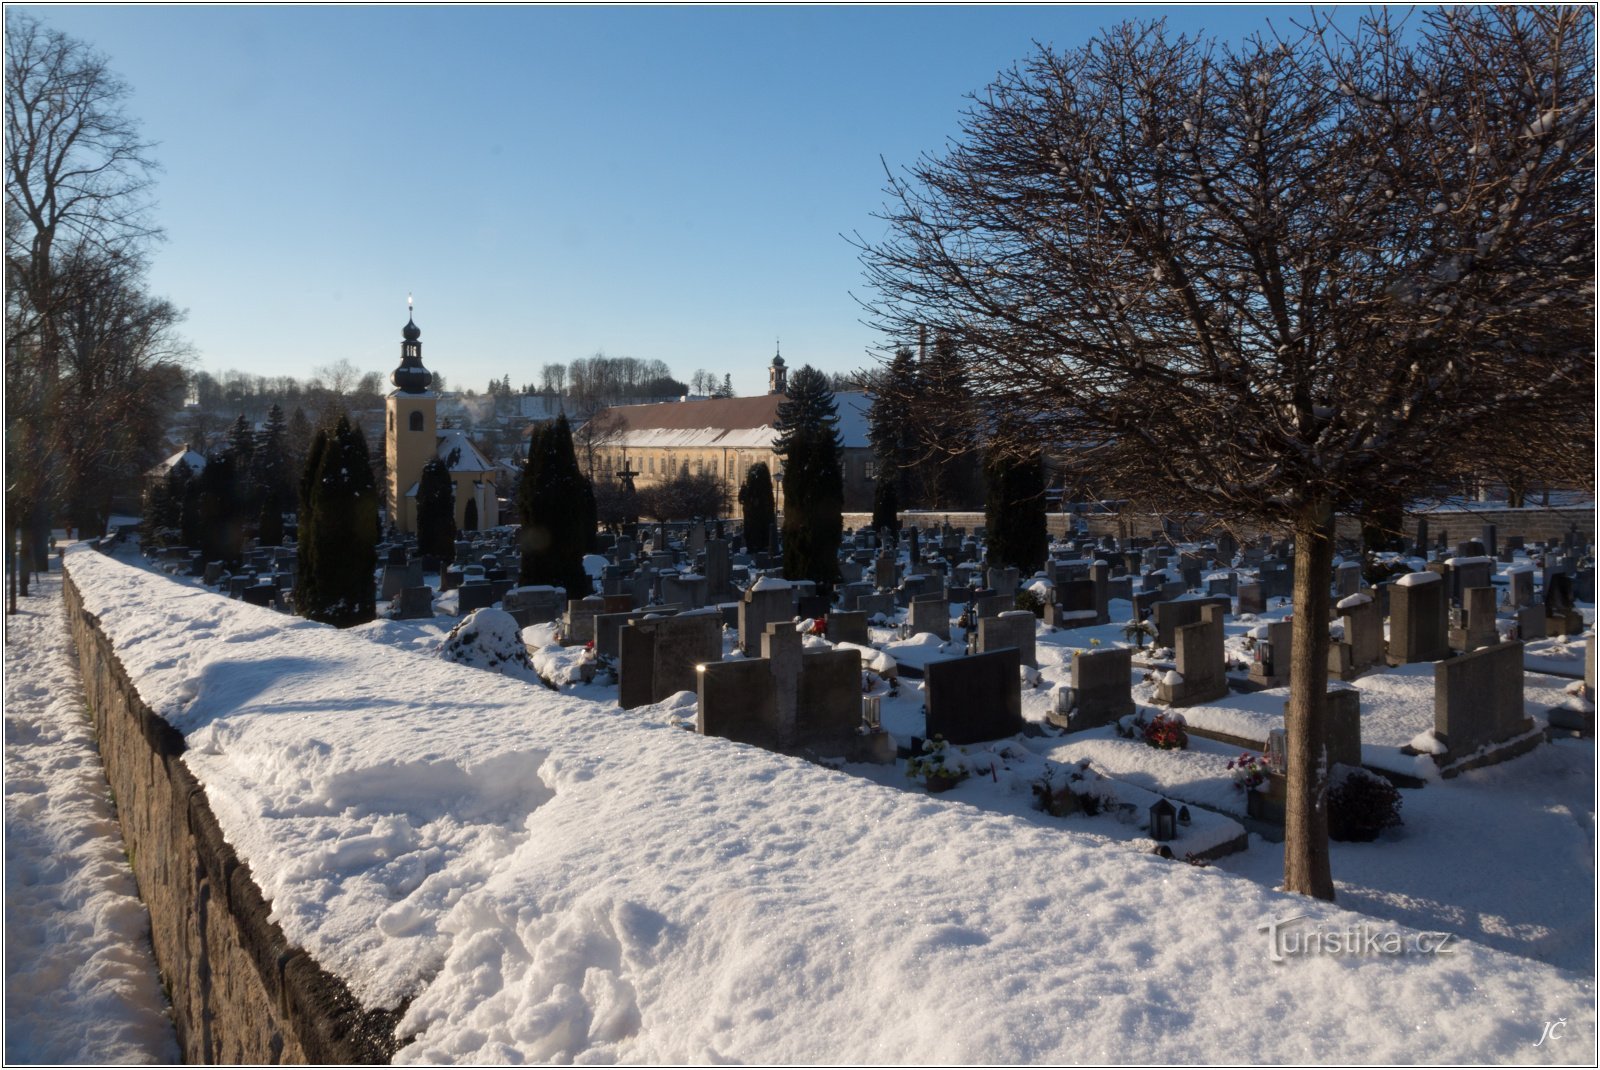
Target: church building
(412, 437)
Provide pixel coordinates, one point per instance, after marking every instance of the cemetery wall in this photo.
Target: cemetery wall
(1532, 523)
(240, 992)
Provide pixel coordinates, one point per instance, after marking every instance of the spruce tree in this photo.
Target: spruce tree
(755, 503)
(950, 472)
(221, 524)
(1015, 512)
(886, 505)
(552, 501)
(893, 428)
(813, 496)
(436, 511)
(339, 519)
(269, 463)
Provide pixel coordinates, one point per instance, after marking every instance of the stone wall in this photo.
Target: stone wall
(1533, 523)
(240, 993)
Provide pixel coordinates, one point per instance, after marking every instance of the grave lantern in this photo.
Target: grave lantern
(1066, 700)
(872, 712)
(1183, 815)
(1163, 821)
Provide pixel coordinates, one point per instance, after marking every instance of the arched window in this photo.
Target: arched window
(416, 420)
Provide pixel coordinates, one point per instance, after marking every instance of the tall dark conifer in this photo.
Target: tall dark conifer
(341, 505)
(221, 524)
(557, 521)
(756, 505)
(813, 488)
(1015, 512)
(892, 428)
(436, 511)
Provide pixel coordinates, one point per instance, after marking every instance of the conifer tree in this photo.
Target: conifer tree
(892, 428)
(338, 530)
(886, 505)
(755, 503)
(552, 502)
(436, 511)
(221, 525)
(813, 497)
(269, 462)
(1015, 512)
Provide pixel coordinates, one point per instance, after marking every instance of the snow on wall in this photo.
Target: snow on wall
(554, 881)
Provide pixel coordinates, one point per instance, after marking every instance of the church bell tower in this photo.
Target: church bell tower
(411, 428)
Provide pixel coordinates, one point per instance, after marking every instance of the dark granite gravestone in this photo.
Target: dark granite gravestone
(1417, 619)
(931, 617)
(1251, 599)
(973, 699)
(471, 596)
(1013, 628)
(413, 603)
(657, 658)
(848, 627)
(1170, 616)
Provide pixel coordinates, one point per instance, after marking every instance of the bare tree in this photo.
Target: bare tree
(600, 430)
(1264, 282)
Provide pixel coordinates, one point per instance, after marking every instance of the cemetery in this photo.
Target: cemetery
(1163, 741)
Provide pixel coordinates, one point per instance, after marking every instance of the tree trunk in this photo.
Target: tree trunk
(1305, 847)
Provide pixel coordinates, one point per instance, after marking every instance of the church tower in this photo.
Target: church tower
(777, 375)
(411, 435)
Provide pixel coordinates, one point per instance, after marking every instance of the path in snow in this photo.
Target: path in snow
(81, 983)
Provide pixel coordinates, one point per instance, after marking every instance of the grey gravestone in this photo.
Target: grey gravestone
(1269, 665)
(1004, 580)
(848, 627)
(885, 572)
(992, 605)
(531, 605)
(578, 623)
(876, 605)
(687, 590)
(1014, 628)
(214, 572)
(657, 658)
(1490, 546)
(1417, 620)
(1467, 573)
(1170, 616)
(1057, 616)
(1519, 590)
(1200, 663)
(761, 606)
(1477, 620)
(1103, 682)
(719, 572)
(413, 603)
(1531, 623)
(1251, 599)
(1477, 699)
(1347, 579)
(1363, 631)
(973, 699)
(474, 595)
(931, 617)
(1225, 585)
(261, 594)
(851, 593)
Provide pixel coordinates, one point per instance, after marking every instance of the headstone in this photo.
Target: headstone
(1200, 675)
(262, 594)
(1561, 617)
(1346, 579)
(848, 627)
(657, 658)
(1013, 628)
(885, 571)
(1225, 584)
(1490, 545)
(1417, 619)
(1102, 681)
(974, 699)
(1478, 700)
(1251, 599)
(413, 603)
(1519, 586)
(685, 589)
(1003, 581)
(876, 605)
(474, 595)
(931, 617)
(578, 623)
(1269, 663)
(1363, 631)
(1467, 573)
(1531, 623)
(992, 605)
(719, 572)
(1419, 548)
(1477, 620)
(535, 604)
(766, 601)
(1170, 616)
(213, 574)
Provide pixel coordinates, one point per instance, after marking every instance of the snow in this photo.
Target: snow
(549, 878)
(1360, 598)
(81, 983)
(1417, 579)
(1458, 562)
(771, 583)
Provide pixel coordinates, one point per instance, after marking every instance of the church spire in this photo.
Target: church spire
(411, 377)
(777, 374)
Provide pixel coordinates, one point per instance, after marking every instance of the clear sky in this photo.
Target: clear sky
(667, 183)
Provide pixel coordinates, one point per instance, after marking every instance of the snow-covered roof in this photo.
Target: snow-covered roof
(728, 423)
(470, 459)
(195, 461)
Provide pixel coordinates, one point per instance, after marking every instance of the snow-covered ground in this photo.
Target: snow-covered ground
(553, 879)
(81, 984)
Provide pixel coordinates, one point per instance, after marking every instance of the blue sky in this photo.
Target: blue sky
(663, 183)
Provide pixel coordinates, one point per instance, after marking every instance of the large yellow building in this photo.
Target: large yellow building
(723, 437)
(412, 437)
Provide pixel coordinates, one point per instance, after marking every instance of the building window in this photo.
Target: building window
(651, 461)
(416, 420)
(871, 469)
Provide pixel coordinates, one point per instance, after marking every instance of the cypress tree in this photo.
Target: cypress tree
(436, 511)
(755, 502)
(1015, 512)
(813, 496)
(552, 503)
(342, 506)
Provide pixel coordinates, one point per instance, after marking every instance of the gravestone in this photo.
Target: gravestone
(874, 605)
(1003, 581)
(931, 617)
(657, 658)
(1478, 701)
(975, 698)
(578, 624)
(719, 572)
(992, 605)
(213, 574)
(850, 594)
(1519, 586)
(1561, 616)
(1080, 595)
(413, 603)
(264, 594)
(1013, 628)
(1222, 583)
(684, 589)
(450, 579)
(1100, 576)
(1417, 619)
(474, 595)
(885, 571)
(1200, 675)
(1341, 722)
(534, 604)
(1102, 682)
(1467, 573)
(397, 577)
(1363, 632)
(1531, 622)
(1477, 620)
(766, 601)
(1251, 599)
(1058, 616)
(1490, 546)
(1346, 579)
(1269, 663)
(1170, 616)
(848, 627)
(821, 716)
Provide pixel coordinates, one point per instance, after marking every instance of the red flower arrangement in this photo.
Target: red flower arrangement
(1166, 732)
